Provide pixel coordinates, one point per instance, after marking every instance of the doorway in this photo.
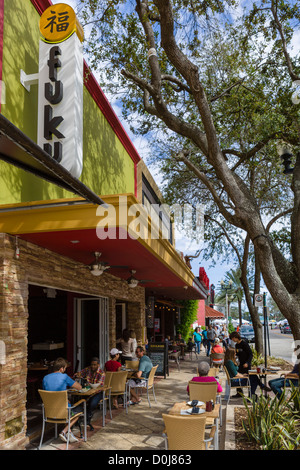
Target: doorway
(92, 331)
(121, 318)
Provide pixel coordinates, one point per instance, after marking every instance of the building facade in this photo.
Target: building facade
(79, 260)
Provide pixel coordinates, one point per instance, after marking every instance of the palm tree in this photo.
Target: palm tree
(234, 292)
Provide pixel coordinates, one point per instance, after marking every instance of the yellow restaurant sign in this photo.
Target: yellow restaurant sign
(59, 22)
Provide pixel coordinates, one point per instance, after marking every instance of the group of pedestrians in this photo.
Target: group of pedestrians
(208, 336)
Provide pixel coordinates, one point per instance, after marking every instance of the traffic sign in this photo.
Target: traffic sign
(259, 300)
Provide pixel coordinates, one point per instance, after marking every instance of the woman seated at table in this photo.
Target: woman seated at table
(241, 379)
(203, 369)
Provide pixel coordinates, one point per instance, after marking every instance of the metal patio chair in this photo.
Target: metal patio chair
(56, 410)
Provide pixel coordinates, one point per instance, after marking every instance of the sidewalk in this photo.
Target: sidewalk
(142, 427)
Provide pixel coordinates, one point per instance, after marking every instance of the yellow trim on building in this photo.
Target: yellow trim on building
(65, 215)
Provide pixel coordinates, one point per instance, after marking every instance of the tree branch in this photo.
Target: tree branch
(292, 74)
(229, 217)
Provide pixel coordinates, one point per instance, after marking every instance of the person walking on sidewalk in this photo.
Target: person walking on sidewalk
(197, 339)
(211, 336)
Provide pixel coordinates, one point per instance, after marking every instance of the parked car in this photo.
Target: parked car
(247, 332)
(286, 329)
(282, 324)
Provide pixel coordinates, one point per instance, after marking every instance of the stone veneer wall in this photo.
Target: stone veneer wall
(40, 266)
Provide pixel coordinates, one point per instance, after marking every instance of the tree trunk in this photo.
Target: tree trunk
(257, 326)
(240, 312)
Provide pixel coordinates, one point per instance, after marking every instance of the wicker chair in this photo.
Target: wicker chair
(229, 385)
(216, 359)
(56, 411)
(118, 385)
(203, 391)
(186, 433)
(107, 396)
(149, 384)
(175, 355)
(213, 372)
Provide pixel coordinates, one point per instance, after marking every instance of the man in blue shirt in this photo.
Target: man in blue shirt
(145, 366)
(58, 381)
(277, 385)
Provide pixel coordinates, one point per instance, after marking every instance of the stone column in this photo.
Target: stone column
(13, 332)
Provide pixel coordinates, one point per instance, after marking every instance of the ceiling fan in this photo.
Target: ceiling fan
(97, 267)
(133, 281)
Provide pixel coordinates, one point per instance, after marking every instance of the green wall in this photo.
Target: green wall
(107, 167)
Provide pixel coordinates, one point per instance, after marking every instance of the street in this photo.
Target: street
(281, 345)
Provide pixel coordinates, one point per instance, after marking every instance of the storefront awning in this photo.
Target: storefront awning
(18, 150)
(212, 313)
(72, 230)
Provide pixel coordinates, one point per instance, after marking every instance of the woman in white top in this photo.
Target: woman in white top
(126, 346)
(134, 344)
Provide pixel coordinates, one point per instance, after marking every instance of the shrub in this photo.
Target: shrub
(188, 315)
(274, 424)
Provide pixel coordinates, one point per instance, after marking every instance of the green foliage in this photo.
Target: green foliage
(188, 315)
(230, 327)
(274, 424)
(257, 359)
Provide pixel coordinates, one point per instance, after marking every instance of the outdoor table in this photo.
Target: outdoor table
(263, 375)
(214, 414)
(89, 393)
(130, 372)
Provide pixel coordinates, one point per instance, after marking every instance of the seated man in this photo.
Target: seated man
(58, 381)
(144, 369)
(292, 377)
(93, 375)
(203, 369)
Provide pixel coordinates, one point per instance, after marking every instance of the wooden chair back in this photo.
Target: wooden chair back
(185, 432)
(118, 382)
(213, 371)
(151, 376)
(55, 405)
(227, 375)
(203, 391)
(217, 358)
